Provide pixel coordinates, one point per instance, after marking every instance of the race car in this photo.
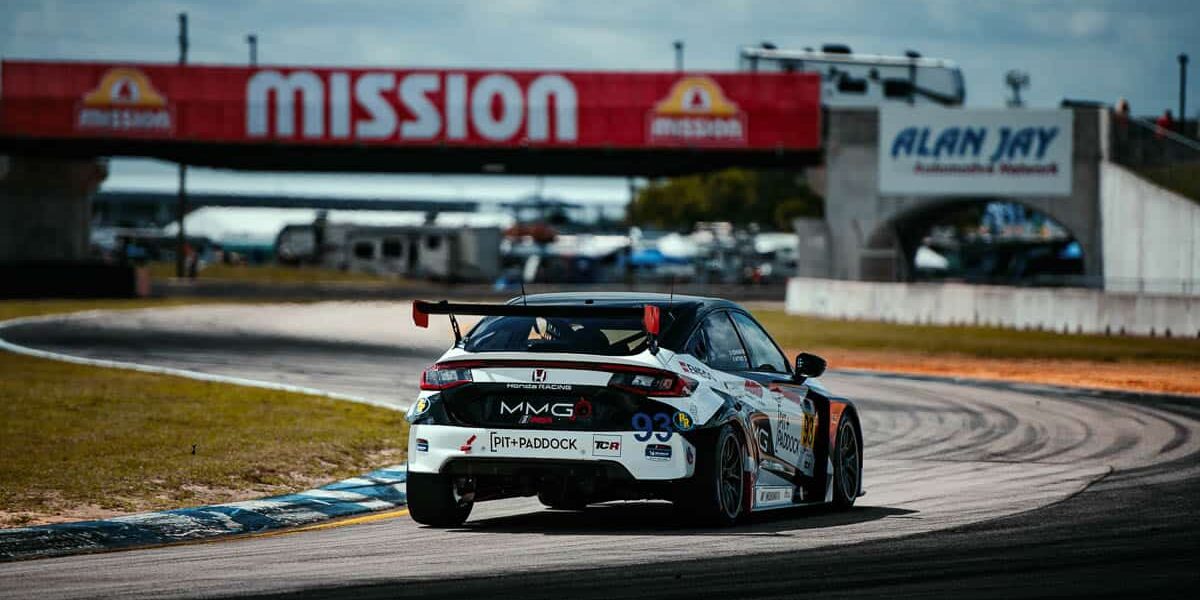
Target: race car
(581, 398)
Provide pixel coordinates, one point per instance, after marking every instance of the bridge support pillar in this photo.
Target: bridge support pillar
(45, 207)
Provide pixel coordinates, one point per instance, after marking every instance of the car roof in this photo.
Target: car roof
(684, 309)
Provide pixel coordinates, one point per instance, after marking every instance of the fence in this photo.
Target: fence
(1066, 310)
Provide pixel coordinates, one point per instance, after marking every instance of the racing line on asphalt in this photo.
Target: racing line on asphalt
(943, 458)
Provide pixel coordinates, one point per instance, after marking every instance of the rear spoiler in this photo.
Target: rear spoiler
(648, 312)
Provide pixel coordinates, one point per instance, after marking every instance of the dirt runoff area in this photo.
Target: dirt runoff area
(1150, 377)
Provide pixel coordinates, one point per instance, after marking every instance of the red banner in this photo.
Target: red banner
(412, 107)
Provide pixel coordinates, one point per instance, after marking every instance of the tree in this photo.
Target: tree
(770, 198)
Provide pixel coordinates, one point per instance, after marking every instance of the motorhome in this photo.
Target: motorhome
(864, 80)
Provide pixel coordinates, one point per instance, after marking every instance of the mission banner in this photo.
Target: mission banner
(985, 152)
(409, 107)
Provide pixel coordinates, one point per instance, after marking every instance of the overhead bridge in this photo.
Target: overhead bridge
(417, 121)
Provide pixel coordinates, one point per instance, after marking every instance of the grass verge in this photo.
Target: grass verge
(979, 342)
(88, 442)
(1167, 365)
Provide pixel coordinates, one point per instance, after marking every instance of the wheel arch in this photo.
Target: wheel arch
(851, 412)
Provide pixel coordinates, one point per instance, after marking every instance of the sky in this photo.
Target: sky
(1081, 49)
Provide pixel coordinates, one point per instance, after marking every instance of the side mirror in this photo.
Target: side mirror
(809, 365)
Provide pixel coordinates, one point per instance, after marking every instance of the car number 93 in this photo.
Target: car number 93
(661, 426)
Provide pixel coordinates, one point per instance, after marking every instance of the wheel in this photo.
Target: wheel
(439, 500)
(847, 465)
(717, 492)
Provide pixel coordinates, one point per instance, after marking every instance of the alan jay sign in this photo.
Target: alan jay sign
(937, 151)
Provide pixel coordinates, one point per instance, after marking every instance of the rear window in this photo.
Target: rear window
(584, 335)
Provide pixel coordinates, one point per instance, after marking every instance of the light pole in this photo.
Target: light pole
(678, 56)
(1183, 61)
(181, 207)
(252, 40)
(1016, 80)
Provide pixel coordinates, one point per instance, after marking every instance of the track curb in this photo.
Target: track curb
(378, 490)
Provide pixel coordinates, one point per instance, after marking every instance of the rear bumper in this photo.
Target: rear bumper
(432, 447)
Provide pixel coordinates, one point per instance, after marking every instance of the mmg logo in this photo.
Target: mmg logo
(524, 407)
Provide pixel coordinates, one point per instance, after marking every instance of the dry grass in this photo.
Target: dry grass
(86, 442)
(73, 436)
(793, 331)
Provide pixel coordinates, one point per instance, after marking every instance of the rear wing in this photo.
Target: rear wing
(648, 312)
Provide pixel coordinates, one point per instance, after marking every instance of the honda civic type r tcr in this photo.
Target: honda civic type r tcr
(583, 398)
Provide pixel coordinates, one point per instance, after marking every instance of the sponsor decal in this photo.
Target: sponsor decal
(789, 394)
(773, 495)
(539, 375)
(582, 410)
(658, 452)
(696, 111)
(762, 433)
(418, 409)
(494, 106)
(683, 421)
(786, 439)
(657, 426)
(557, 387)
(546, 411)
(753, 387)
(606, 445)
(422, 445)
(694, 370)
(500, 442)
(533, 408)
(124, 100)
(457, 108)
(467, 446)
(808, 433)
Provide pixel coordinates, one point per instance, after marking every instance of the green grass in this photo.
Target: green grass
(269, 273)
(797, 332)
(76, 438)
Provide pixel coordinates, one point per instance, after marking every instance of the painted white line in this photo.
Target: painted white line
(144, 368)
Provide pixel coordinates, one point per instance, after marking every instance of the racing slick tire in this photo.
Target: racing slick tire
(439, 500)
(716, 494)
(847, 465)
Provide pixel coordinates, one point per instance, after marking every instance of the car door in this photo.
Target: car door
(793, 422)
(717, 344)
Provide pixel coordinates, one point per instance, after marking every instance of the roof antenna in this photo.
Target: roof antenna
(523, 300)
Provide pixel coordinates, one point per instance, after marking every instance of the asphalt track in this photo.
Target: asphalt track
(975, 491)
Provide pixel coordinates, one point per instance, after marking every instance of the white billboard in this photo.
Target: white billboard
(984, 152)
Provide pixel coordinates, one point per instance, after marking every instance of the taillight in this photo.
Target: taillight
(440, 377)
(654, 384)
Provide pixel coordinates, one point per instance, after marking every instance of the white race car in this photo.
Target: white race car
(590, 397)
